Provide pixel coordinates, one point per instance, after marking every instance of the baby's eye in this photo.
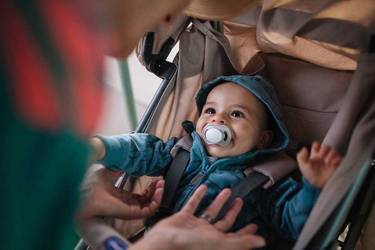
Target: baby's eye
(237, 114)
(209, 111)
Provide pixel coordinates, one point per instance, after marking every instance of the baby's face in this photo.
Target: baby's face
(235, 107)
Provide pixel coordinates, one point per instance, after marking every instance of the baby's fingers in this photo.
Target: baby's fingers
(336, 160)
(158, 194)
(333, 159)
(302, 156)
(330, 156)
(315, 148)
(323, 152)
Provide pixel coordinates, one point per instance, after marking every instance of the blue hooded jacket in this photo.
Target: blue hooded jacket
(282, 208)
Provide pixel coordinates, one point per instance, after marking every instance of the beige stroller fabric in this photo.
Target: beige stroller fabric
(354, 124)
(326, 33)
(309, 51)
(205, 52)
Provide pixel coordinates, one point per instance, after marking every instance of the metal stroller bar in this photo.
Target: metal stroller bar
(128, 93)
(157, 64)
(364, 209)
(369, 193)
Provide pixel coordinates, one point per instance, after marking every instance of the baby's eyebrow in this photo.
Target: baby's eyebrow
(241, 107)
(209, 103)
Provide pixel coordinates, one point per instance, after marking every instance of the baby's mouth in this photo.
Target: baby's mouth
(225, 136)
(217, 134)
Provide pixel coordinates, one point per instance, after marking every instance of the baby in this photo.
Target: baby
(239, 124)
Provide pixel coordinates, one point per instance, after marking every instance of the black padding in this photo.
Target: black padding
(372, 44)
(188, 126)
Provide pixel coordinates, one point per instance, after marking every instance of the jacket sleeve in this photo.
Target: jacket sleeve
(137, 154)
(287, 206)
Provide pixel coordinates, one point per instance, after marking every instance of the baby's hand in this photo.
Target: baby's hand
(320, 165)
(98, 148)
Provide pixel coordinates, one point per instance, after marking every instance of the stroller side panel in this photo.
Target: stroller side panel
(359, 101)
(309, 104)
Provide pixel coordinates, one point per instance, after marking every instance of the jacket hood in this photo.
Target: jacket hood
(264, 91)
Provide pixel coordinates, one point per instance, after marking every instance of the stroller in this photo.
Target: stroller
(323, 68)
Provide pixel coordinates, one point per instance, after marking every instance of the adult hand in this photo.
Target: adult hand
(101, 198)
(185, 231)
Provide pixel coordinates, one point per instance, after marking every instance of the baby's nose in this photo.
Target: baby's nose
(218, 119)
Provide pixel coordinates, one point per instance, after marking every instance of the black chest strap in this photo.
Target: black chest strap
(173, 176)
(172, 180)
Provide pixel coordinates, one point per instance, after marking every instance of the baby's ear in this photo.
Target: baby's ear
(265, 139)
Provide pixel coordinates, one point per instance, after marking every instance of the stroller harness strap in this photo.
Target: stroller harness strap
(172, 179)
(173, 176)
(181, 156)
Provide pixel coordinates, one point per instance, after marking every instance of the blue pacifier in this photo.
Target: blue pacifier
(217, 134)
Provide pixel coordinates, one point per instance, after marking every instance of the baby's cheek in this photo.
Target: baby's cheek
(246, 145)
(250, 147)
(199, 126)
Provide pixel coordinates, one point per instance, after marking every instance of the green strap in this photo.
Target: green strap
(128, 93)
